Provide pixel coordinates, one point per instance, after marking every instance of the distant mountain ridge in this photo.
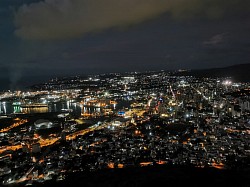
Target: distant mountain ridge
(238, 73)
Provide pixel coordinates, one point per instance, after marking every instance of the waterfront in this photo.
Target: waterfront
(171, 121)
(7, 108)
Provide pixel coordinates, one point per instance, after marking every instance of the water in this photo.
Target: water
(6, 108)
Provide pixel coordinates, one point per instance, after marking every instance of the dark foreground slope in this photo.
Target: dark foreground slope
(157, 176)
(239, 73)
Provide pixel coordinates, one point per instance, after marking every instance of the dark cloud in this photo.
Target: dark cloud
(183, 34)
(60, 19)
(216, 39)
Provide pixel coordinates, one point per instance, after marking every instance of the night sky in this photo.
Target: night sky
(44, 39)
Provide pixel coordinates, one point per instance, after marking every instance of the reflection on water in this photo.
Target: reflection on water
(8, 108)
(29, 110)
(77, 108)
(57, 107)
(3, 109)
(89, 110)
(34, 110)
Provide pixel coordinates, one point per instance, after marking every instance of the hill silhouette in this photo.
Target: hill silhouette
(238, 73)
(156, 176)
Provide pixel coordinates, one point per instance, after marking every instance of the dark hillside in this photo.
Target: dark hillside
(157, 176)
(239, 73)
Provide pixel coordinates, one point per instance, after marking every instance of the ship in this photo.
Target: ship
(29, 105)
